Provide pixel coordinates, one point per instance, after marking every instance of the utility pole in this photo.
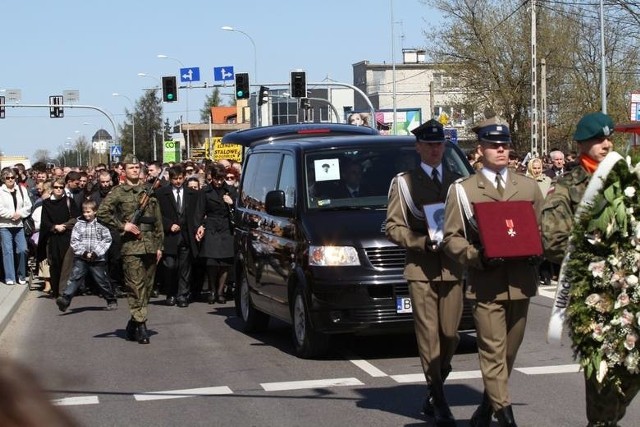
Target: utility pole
(534, 84)
(543, 107)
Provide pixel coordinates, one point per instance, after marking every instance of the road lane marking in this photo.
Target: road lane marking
(299, 385)
(419, 378)
(553, 369)
(179, 394)
(79, 400)
(368, 368)
(547, 291)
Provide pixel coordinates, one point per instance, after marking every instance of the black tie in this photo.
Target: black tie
(499, 185)
(179, 201)
(435, 176)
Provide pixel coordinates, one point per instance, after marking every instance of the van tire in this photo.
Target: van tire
(308, 342)
(254, 320)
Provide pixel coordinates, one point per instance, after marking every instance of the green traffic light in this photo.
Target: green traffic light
(170, 96)
(239, 94)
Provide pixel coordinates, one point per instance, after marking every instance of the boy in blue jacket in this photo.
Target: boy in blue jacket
(90, 241)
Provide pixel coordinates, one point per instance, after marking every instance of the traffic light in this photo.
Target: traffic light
(298, 84)
(56, 111)
(169, 89)
(242, 86)
(2, 109)
(263, 95)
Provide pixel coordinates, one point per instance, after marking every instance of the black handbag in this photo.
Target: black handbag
(29, 226)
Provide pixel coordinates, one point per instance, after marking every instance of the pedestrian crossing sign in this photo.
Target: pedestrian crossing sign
(116, 150)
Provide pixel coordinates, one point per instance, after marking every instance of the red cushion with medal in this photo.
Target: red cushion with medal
(508, 229)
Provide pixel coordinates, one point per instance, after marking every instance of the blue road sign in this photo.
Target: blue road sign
(188, 75)
(116, 150)
(222, 73)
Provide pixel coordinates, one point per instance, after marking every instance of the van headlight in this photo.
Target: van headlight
(331, 256)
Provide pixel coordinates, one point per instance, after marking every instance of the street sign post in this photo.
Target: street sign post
(188, 75)
(221, 74)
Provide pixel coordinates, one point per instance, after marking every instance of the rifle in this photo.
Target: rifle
(144, 200)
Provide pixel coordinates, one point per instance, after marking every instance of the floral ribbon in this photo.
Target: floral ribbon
(561, 301)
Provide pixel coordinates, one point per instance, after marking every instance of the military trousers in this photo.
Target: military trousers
(605, 407)
(139, 271)
(500, 329)
(437, 310)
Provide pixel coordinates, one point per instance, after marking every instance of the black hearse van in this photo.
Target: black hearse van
(310, 231)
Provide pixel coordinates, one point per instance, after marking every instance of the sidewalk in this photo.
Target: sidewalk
(10, 298)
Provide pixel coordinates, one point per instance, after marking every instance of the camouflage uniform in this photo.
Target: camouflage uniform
(138, 255)
(558, 211)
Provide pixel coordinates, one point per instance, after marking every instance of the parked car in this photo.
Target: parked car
(310, 250)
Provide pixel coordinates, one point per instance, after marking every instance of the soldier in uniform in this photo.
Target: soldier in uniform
(500, 289)
(605, 406)
(434, 279)
(141, 242)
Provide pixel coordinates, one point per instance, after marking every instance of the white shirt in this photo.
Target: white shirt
(491, 176)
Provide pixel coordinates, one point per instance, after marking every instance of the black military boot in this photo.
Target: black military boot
(482, 415)
(141, 334)
(441, 413)
(505, 417)
(131, 330)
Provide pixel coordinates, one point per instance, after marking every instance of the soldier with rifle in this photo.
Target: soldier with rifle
(132, 209)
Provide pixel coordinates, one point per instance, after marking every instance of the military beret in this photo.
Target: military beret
(493, 130)
(593, 125)
(431, 131)
(130, 159)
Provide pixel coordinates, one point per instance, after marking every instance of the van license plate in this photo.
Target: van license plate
(403, 305)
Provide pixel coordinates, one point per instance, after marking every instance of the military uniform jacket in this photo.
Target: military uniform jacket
(407, 231)
(117, 209)
(514, 279)
(559, 210)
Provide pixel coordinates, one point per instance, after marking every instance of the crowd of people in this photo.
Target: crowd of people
(86, 238)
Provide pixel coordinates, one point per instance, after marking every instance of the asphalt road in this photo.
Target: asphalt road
(201, 369)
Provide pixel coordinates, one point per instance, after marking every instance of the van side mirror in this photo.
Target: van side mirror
(274, 204)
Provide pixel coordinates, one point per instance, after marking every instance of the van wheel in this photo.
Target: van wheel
(309, 343)
(254, 320)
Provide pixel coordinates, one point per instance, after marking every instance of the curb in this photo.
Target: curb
(10, 298)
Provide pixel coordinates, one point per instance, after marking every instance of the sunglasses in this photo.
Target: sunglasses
(58, 187)
(9, 177)
(231, 177)
(189, 170)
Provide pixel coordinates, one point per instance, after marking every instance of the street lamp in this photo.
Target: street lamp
(133, 119)
(161, 56)
(255, 52)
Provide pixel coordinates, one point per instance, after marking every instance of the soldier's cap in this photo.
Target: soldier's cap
(493, 130)
(431, 131)
(593, 125)
(130, 159)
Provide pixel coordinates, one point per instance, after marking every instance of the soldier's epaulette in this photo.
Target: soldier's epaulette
(402, 173)
(462, 179)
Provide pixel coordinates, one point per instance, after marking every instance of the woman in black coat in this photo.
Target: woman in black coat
(216, 232)
(59, 214)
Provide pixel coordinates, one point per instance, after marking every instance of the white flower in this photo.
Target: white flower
(602, 371)
(597, 268)
(629, 192)
(592, 300)
(622, 300)
(632, 280)
(630, 341)
(598, 332)
(614, 260)
(626, 318)
(631, 362)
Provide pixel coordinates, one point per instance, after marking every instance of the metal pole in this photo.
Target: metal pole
(534, 83)
(393, 78)
(603, 72)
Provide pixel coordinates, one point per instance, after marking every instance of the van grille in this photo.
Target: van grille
(386, 257)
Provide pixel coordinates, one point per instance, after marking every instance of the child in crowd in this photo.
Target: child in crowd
(89, 241)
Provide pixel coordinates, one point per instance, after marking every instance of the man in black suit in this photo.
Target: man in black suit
(180, 207)
(557, 164)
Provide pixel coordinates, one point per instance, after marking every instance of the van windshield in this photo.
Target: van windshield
(360, 177)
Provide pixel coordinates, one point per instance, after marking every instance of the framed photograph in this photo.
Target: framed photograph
(434, 216)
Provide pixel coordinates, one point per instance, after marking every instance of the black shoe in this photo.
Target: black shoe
(211, 298)
(427, 406)
(155, 293)
(63, 303)
(441, 412)
(220, 299)
(131, 330)
(141, 333)
(183, 302)
(505, 417)
(482, 415)
(112, 305)
(171, 301)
